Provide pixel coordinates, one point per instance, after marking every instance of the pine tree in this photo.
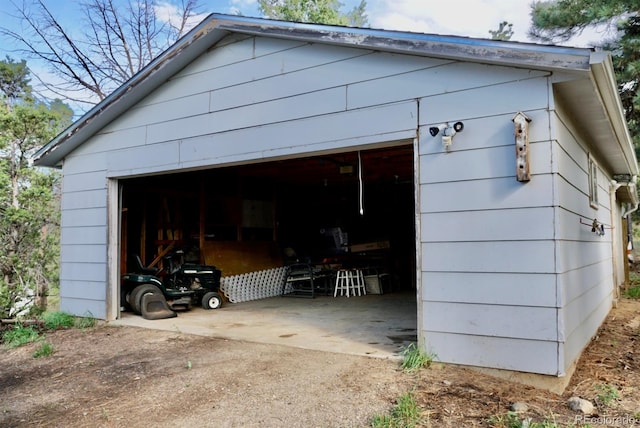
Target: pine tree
(29, 211)
(554, 21)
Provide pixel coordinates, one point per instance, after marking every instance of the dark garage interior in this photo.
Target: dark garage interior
(354, 208)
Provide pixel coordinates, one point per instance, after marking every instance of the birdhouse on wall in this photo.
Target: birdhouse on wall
(521, 131)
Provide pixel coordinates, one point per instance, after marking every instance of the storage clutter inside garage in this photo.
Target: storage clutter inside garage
(351, 210)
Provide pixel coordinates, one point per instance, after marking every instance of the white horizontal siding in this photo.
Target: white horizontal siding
(86, 199)
(584, 259)
(83, 306)
(95, 272)
(537, 356)
(94, 180)
(439, 78)
(85, 253)
(588, 327)
(281, 110)
(500, 256)
(85, 235)
(490, 288)
(575, 283)
(575, 312)
(485, 132)
(492, 225)
(575, 254)
(493, 162)
(322, 133)
(84, 217)
(504, 99)
(492, 320)
(87, 289)
(157, 157)
(498, 193)
(282, 71)
(90, 156)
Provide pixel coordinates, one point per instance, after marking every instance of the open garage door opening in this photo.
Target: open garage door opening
(351, 209)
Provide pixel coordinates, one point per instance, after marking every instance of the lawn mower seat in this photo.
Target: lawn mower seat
(141, 268)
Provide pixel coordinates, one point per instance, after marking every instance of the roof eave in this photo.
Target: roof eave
(215, 26)
(604, 79)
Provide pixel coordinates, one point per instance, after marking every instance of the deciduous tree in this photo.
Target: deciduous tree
(315, 11)
(116, 39)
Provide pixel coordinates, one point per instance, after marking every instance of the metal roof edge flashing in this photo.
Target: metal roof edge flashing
(163, 67)
(443, 46)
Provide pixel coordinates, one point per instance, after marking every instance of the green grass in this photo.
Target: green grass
(44, 350)
(633, 292)
(20, 335)
(57, 320)
(413, 358)
(85, 322)
(607, 394)
(512, 420)
(405, 414)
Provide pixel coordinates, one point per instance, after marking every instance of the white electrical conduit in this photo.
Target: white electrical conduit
(360, 196)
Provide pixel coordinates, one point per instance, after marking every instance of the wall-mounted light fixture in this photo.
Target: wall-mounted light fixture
(448, 131)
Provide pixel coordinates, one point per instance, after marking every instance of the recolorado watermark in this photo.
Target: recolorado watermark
(630, 421)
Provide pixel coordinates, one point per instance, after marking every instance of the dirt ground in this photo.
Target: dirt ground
(128, 377)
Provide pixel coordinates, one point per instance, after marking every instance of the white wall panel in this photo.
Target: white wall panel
(574, 254)
(259, 77)
(575, 312)
(580, 338)
(95, 272)
(84, 217)
(176, 108)
(491, 320)
(505, 256)
(322, 76)
(485, 132)
(572, 172)
(84, 289)
(302, 135)
(85, 235)
(477, 164)
(154, 155)
(287, 109)
(575, 283)
(83, 181)
(507, 98)
(82, 306)
(83, 253)
(516, 289)
(234, 49)
(497, 352)
(447, 78)
(89, 157)
(571, 227)
(491, 225)
(498, 193)
(88, 199)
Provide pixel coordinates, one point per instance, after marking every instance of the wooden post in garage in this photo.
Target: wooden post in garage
(123, 241)
(203, 214)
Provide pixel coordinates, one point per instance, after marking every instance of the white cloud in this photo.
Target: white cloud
(468, 18)
(167, 12)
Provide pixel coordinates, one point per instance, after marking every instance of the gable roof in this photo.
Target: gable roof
(595, 101)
